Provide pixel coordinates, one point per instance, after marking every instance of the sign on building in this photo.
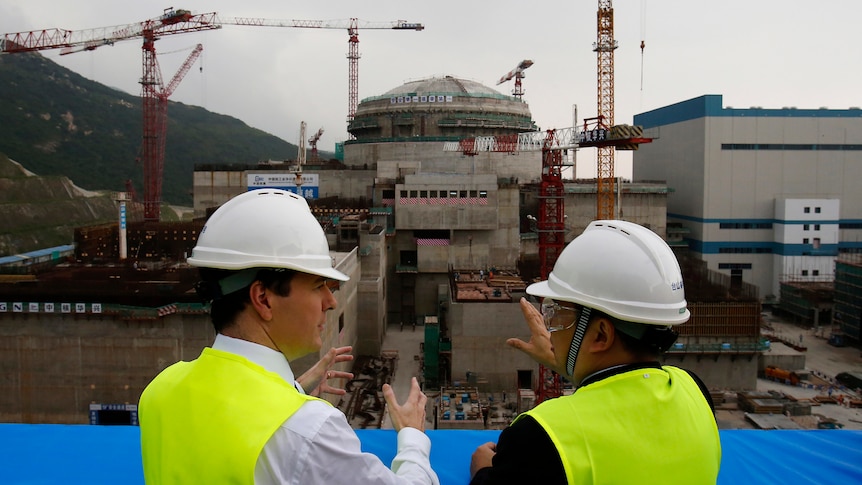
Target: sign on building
(309, 186)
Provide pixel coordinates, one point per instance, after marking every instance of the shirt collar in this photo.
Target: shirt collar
(271, 360)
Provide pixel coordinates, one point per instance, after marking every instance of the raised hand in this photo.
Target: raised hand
(412, 413)
(316, 380)
(539, 347)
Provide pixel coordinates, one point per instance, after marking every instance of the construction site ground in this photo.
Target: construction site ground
(822, 362)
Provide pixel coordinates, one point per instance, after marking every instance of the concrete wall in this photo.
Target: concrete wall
(525, 167)
(792, 360)
(719, 371)
(371, 294)
(479, 332)
(55, 365)
(214, 188)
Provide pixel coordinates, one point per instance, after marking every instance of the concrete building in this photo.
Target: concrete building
(63, 351)
(762, 194)
(441, 213)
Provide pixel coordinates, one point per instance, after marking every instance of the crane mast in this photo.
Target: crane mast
(604, 48)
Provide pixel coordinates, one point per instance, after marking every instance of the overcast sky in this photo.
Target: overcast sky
(769, 53)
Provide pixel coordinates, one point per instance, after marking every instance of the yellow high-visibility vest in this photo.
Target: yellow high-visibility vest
(645, 426)
(206, 421)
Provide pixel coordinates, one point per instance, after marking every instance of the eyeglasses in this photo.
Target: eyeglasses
(552, 310)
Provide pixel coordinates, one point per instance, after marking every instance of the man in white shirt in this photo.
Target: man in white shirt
(237, 414)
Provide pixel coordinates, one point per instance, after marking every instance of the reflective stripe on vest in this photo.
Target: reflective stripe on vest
(643, 426)
(206, 421)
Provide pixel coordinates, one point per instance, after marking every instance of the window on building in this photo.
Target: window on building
(404, 193)
(816, 227)
(804, 272)
(817, 210)
(816, 243)
(815, 272)
(413, 194)
(423, 194)
(474, 193)
(453, 194)
(483, 194)
(463, 194)
(805, 240)
(807, 210)
(443, 194)
(805, 227)
(432, 194)
(388, 194)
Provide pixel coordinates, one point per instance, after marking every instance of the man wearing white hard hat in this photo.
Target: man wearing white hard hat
(609, 309)
(237, 414)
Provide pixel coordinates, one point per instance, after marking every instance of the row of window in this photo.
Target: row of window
(742, 266)
(443, 194)
(745, 225)
(815, 245)
(807, 210)
(791, 146)
(768, 225)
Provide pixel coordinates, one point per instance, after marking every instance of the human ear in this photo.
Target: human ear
(605, 334)
(259, 297)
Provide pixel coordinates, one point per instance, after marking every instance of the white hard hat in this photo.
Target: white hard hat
(622, 269)
(265, 228)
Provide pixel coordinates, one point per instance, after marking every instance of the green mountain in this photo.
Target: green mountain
(40, 212)
(55, 122)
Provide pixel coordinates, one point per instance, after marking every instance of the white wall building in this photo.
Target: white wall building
(767, 194)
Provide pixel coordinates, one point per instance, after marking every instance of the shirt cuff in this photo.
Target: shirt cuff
(413, 438)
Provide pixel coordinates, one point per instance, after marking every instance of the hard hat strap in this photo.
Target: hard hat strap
(237, 281)
(580, 331)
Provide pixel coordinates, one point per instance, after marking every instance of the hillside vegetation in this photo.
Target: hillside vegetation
(57, 123)
(40, 212)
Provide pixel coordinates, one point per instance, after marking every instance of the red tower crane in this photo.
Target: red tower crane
(313, 143)
(155, 97)
(517, 74)
(153, 93)
(550, 224)
(177, 22)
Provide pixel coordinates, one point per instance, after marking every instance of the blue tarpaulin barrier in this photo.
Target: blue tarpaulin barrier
(84, 454)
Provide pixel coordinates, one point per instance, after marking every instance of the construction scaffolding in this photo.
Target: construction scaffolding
(807, 302)
(848, 295)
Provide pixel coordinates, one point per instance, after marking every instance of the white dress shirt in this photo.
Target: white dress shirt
(317, 445)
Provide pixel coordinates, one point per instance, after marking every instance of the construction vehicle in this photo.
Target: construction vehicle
(781, 375)
(836, 340)
(154, 96)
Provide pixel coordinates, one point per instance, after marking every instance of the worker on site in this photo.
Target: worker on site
(609, 310)
(236, 414)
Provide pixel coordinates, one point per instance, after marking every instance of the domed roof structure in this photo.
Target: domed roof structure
(439, 109)
(446, 84)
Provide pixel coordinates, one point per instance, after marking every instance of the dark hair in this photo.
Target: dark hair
(225, 308)
(652, 342)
